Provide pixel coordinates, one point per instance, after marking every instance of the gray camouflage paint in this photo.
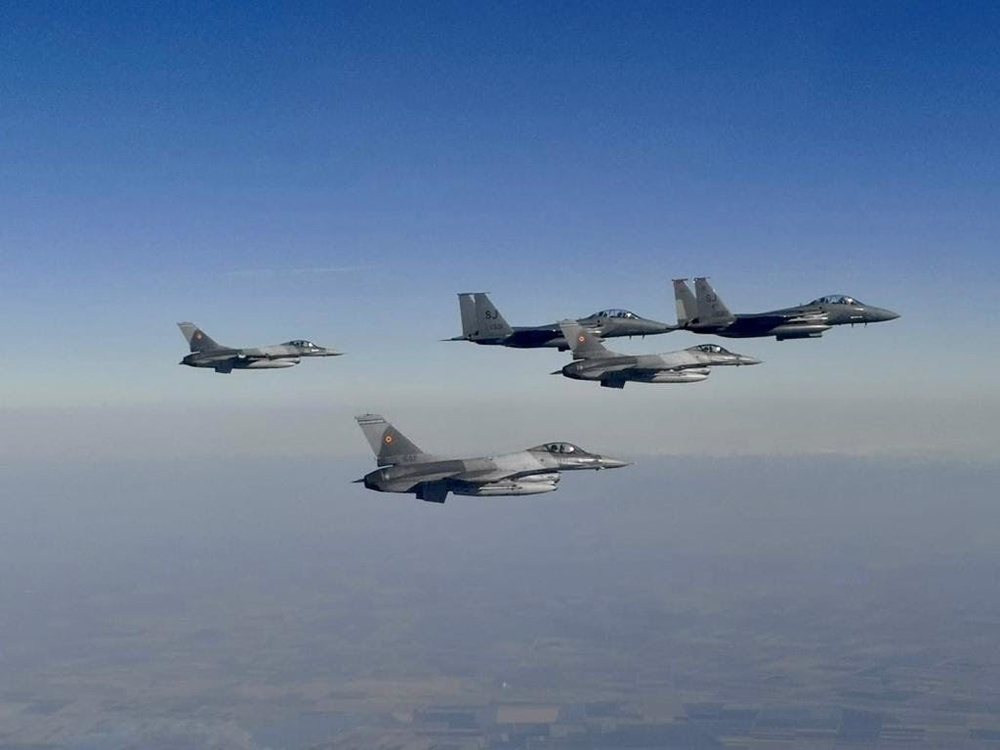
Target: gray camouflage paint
(482, 323)
(704, 312)
(592, 361)
(403, 467)
(207, 353)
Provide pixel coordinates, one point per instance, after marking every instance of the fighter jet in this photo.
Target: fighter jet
(592, 361)
(207, 353)
(483, 324)
(704, 312)
(403, 467)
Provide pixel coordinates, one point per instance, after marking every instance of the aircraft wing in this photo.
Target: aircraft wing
(648, 373)
(416, 478)
(483, 475)
(807, 318)
(497, 475)
(610, 364)
(620, 367)
(221, 355)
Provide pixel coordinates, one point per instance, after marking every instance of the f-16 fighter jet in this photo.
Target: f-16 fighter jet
(592, 361)
(704, 312)
(207, 353)
(483, 324)
(406, 468)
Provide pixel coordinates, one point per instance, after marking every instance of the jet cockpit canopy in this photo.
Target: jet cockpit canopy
(560, 449)
(710, 349)
(836, 299)
(303, 344)
(615, 313)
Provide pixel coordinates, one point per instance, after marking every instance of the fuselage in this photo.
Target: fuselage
(524, 472)
(685, 366)
(803, 321)
(273, 357)
(606, 324)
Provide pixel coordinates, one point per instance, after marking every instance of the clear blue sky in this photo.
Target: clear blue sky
(338, 171)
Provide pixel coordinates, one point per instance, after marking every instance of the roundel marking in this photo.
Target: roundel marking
(197, 334)
(581, 338)
(387, 439)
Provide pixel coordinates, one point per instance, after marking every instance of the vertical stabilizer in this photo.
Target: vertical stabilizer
(489, 324)
(389, 444)
(711, 309)
(467, 306)
(197, 339)
(481, 321)
(687, 308)
(583, 343)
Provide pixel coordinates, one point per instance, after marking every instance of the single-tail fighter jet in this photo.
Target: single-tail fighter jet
(483, 324)
(592, 361)
(403, 467)
(207, 353)
(705, 312)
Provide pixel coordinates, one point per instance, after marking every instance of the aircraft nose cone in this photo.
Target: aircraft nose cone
(613, 463)
(745, 360)
(879, 315)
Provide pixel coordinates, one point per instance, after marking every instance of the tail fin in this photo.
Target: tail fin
(198, 340)
(481, 321)
(467, 306)
(687, 308)
(711, 309)
(583, 343)
(390, 445)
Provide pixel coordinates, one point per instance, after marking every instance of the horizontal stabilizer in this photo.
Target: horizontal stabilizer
(432, 492)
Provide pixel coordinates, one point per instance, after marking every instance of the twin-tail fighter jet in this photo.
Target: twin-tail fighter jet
(483, 324)
(207, 353)
(705, 312)
(403, 467)
(592, 361)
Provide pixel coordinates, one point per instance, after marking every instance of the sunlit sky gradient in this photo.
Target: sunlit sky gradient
(339, 171)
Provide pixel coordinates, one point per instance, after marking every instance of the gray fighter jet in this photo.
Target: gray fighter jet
(403, 467)
(483, 324)
(704, 312)
(207, 353)
(592, 361)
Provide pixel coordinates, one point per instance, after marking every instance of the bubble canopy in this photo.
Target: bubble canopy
(615, 313)
(836, 299)
(562, 449)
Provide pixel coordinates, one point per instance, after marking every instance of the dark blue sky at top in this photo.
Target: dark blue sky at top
(195, 160)
(554, 112)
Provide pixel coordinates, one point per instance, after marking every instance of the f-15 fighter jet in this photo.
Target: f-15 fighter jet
(403, 467)
(704, 312)
(592, 361)
(482, 323)
(207, 353)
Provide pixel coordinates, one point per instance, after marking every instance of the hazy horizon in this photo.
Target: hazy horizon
(209, 575)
